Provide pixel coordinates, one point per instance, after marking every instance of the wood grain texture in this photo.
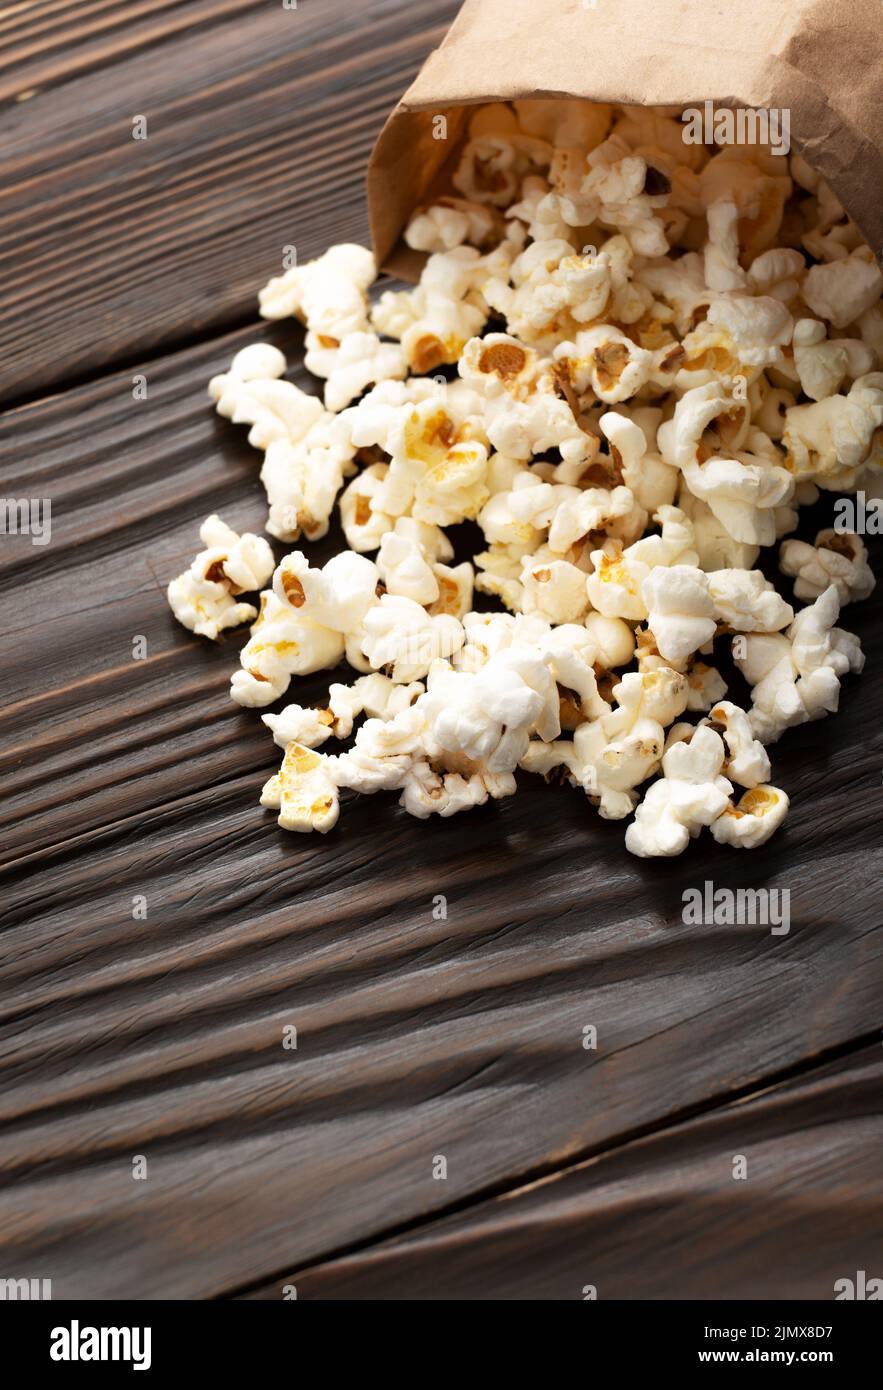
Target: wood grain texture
(660, 1218)
(123, 778)
(260, 120)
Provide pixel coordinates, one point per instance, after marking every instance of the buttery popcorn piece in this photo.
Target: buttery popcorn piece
(203, 598)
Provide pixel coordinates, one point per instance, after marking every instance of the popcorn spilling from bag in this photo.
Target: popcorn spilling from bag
(629, 360)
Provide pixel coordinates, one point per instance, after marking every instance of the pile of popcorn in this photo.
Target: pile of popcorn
(630, 360)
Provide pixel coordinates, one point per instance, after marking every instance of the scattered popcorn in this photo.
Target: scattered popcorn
(283, 643)
(757, 814)
(628, 363)
(357, 361)
(747, 602)
(680, 610)
(690, 794)
(302, 792)
(329, 294)
(251, 393)
(746, 760)
(203, 598)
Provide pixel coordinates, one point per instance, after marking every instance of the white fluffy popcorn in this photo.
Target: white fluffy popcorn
(360, 359)
(203, 598)
(283, 643)
(796, 675)
(680, 610)
(251, 393)
(691, 793)
(747, 602)
(835, 557)
(329, 294)
(667, 380)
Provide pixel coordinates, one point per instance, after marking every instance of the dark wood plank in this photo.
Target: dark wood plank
(664, 1217)
(260, 120)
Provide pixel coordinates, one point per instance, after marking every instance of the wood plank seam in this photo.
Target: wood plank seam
(669, 1125)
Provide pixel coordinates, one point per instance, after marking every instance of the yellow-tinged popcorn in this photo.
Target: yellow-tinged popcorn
(282, 644)
(755, 817)
(203, 598)
(358, 360)
(302, 792)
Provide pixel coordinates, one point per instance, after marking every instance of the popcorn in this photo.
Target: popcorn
(404, 569)
(283, 643)
(747, 602)
(652, 482)
(554, 588)
(843, 290)
(491, 166)
(672, 380)
(755, 817)
(398, 635)
(349, 366)
(835, 557)
(203, 598)
(691, 793)
(485, 716)
(438, 466)
(374, 694)
(680, 610)
(614, 586)
(427, 792)
(250, 393)
(302, 481)
(338, 596)
(364, 522)
(448, 223)
(553, 291)
(746, 760)
(613, 639)
(436, 320)
(617, 192)
(822, 364)
(830, 440)
(796, 675)
(329, 294)
(302, 792)
(606, 362)
(614, 754)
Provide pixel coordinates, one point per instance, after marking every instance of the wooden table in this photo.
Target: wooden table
(131, 785)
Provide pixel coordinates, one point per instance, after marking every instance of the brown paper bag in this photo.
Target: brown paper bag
(819, 60)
